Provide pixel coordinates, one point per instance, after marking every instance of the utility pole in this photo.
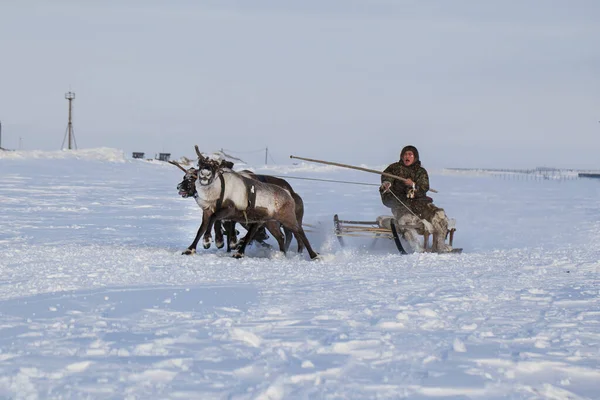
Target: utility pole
(71, 135)
(0, 135)
(266, 154)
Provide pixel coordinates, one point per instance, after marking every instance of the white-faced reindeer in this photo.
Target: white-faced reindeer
(226, 195)
(187, 188)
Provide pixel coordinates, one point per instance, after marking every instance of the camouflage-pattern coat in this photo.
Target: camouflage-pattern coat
(420, 204)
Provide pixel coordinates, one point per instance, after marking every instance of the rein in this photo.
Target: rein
(401, 202)
(357, 168)
(324, 180)
(222, 195)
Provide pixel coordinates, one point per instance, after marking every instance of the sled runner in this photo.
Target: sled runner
(383, 228)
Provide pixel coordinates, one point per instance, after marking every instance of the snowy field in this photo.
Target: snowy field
(96, 300)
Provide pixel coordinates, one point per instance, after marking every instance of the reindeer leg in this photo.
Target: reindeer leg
(300, 233)
(231, 235)
(299, 209)
(207, 222)
(251, 232)
(300, 244)
(235, 242)
(288, 240)
(247, 235)
(274, 228)
(261, 235)
(206, 239)
(219, 242)
(224, 215)
(288, 237)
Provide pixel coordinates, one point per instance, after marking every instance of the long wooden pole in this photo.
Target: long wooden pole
(374, 171)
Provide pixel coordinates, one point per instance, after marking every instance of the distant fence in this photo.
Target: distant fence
(589, 175)
(537, 174)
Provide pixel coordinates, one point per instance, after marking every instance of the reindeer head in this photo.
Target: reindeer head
(187, 187)
(208, 168)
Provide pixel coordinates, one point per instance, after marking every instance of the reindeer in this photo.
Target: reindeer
(187, 188)
(299, 210)
(226, 195)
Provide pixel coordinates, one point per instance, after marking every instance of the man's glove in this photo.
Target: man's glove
(385, 187)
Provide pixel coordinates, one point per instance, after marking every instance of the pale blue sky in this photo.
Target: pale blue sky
(470, 83)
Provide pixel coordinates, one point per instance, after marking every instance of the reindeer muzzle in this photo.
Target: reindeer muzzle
(205, 176)
(183, 191)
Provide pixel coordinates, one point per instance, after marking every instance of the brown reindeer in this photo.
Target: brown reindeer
(187, 188)
(226, 195)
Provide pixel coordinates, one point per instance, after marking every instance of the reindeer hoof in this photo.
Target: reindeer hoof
(219, 244)
(264, 244)
(206, 245)
(189, 252)
(237, 255)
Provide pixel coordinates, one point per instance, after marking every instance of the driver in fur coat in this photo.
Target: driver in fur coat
(410, 204)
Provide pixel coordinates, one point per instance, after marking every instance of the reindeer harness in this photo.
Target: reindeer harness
(250, 194)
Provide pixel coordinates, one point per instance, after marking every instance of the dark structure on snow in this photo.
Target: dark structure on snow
(589, 175)
(164, 156)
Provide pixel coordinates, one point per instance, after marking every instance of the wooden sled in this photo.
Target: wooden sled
(384, 228)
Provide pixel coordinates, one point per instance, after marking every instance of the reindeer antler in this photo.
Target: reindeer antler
(200, 156)
(175, 163)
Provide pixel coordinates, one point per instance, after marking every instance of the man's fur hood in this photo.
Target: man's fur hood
(414, 151)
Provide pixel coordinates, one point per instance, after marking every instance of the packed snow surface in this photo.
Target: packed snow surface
(97, 301)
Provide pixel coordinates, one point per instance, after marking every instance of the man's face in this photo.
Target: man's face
(408, 158)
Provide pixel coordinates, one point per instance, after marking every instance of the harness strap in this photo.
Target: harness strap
(220, 201)
(251, 196)
(250, 190)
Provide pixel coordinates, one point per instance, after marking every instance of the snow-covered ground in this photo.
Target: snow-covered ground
(96, 300)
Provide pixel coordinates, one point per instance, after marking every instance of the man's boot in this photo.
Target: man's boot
(440, 227)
